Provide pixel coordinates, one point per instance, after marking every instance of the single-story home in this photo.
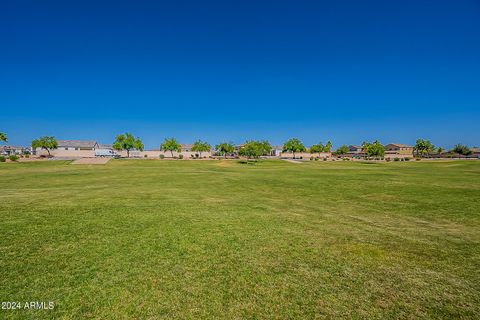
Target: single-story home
(71, 149)
(77, 145)
(276, 151)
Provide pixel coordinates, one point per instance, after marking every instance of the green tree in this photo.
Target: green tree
(3, 137)
(374, 149)
(423, 147)
(255, 149)
(170, 144)
(328, 147)
(317, 148)
(461, 149)
(293, 145)
(266, 147)
(342, 150)
(47, 143)
(127, 142)
(440, 150)
(201, 146)
(225, 148)
(320, 147)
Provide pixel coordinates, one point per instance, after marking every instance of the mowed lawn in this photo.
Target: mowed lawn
(138, 239)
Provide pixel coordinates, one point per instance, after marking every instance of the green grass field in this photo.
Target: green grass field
(218, 239)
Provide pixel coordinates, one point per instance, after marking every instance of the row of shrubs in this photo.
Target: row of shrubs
(11, 158)
(180, 156)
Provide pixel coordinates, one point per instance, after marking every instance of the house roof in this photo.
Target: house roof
(186, 145)
(13, 147)
(475, 149)
(77, 143)
(399, 145)
(105, 146)
(354, 146)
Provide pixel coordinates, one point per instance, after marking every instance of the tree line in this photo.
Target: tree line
(253, 148)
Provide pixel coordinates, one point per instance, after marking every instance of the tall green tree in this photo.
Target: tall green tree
(225, 148)
(374, 149)
(461, 149)
(320, 147)
(170, 144)
(127, 142)
(201, 146)
(3, 137)
(255, 149)
(47, 143)
(342, 150)
(423, 147)
(293, 145)
(328, 147)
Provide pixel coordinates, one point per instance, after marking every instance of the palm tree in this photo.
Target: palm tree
(3, 137)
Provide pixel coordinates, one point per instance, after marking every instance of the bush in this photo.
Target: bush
(162, 156)
(407, 159)
(324, 159)
(180, 156)
(192, 156)
(27, 155)
(13, 157)
(311, 158)
(396, 159)
(417, 159)
(316, 158)
(387, 159)
(145, 156)
(3, 159)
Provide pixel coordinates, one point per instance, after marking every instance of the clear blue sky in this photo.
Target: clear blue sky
(348, 71)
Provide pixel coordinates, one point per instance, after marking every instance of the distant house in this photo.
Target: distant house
(355, 149)
(14, 150)
(398, 149)
(105, 146)
(77, 145)
(476, 152)
(186, 147)
(276, 151)
(71, 149)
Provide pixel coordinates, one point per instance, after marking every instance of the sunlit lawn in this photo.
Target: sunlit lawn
(219, 239)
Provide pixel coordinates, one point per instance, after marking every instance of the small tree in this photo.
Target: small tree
(225, 148)
(293, 145)
(127, 142)
(47, 143)
(440, 150)
(201, 146)
(170, 145)
(461, 149)
(374, 149)
(342, 150)
(423, 147)
(255, 149)
(3, 137)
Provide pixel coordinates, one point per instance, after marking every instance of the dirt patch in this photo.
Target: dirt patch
(292, 161)
(91, 161)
